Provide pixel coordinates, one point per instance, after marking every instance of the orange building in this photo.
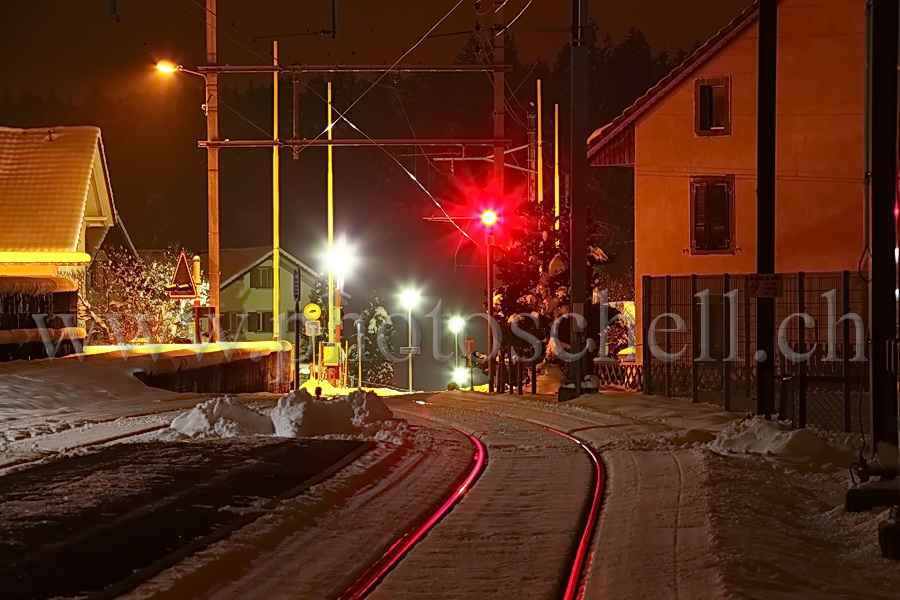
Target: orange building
(691, 141)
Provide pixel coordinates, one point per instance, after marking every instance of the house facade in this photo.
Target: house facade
(56, 207)
(691, 141)
(247, 287)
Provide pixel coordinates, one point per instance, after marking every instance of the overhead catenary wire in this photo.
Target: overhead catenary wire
(400, 164)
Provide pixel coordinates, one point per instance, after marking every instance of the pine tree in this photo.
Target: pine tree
(533, 270)
(378, 368)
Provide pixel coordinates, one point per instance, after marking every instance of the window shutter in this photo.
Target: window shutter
(254, 278)
(717, 215)
(253, 322)
(701, 227)
(266, 318)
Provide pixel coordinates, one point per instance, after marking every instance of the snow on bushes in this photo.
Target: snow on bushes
(297, 414)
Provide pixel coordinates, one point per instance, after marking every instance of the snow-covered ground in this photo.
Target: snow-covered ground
(699, 503)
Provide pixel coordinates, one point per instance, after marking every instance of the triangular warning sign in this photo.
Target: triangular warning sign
(182, 286)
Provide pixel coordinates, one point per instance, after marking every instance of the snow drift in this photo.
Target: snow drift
(771, 438)
(221, 417)
(297, 414)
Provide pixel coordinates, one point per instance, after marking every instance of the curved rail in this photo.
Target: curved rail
(374, 574)
(576, 573)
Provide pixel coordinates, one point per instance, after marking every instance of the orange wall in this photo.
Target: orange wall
(820, 153)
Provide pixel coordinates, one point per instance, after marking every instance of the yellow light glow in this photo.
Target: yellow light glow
(165, 66)
(43, 258)
(460, 375)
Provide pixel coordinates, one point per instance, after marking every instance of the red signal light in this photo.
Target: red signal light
(489, 218)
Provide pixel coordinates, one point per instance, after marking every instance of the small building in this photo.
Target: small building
(246, 291)
(56, 208)
(691, 142)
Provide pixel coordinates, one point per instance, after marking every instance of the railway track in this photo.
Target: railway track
(578, 560)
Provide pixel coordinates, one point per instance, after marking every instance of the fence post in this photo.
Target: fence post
(695, 376)
(726, 343)
(801, 308)
(534, 378)
(647, 316)
(668, 306)
(845, 353)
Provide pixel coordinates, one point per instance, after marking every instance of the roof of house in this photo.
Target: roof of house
(235, 263)
(609, 135)
(52, 179)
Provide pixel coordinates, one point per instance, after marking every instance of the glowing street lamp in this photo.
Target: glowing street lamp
(460, 376)
(457, 325)
(409, 299)
(165, 66)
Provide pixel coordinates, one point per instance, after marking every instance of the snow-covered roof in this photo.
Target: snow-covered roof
(53, 187)
(36, 286)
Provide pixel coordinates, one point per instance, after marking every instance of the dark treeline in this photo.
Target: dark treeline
(158, 172)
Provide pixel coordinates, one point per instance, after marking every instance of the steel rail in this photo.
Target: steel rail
(375, 573)
(598, 485)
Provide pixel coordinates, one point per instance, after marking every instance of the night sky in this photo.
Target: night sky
(68, 48)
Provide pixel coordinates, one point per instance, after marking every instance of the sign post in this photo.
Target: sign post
(470, 355)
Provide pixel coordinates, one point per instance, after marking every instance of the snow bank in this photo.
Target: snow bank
(300, 415)
(297, 414)
(771, 438)
(221, 417)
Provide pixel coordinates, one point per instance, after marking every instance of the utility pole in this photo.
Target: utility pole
(578, 199)
(540, 144)
(212, 164)
(883, 100)
(556, 168)
(531, 192)
(276, 207)
(332, 326)
(499, 48)
(765, 201)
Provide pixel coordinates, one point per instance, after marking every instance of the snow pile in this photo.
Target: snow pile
(300, 415)
(297, 414)
(221, 417)
(771, 438)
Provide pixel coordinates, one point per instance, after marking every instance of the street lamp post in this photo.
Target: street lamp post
(409, 299)
(211, 110)
(456, 325)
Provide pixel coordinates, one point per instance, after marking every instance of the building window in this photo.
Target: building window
(261, 278)
(712, 101)
(712, 214)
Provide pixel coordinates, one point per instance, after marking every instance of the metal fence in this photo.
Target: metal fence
(827, 390)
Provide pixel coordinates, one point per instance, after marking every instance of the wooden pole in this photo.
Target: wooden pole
(212, 166)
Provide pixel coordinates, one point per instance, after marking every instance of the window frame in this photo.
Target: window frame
(725, 82)
(730, 220)
(256, 278)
